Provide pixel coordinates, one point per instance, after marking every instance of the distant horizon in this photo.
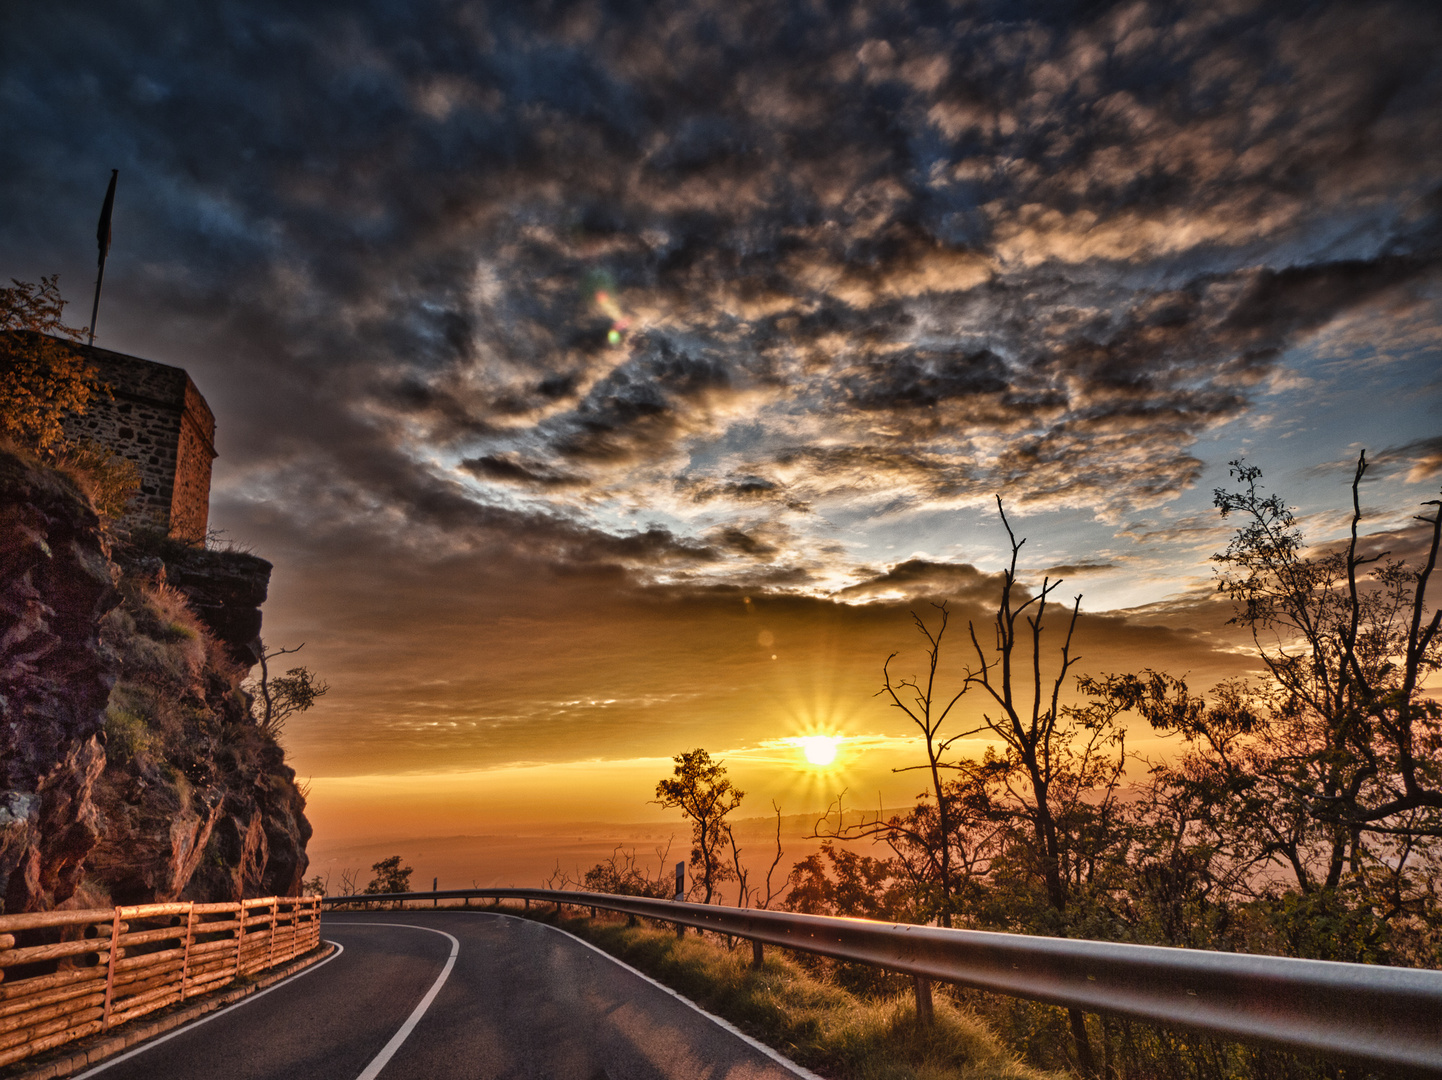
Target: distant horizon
(508, 858)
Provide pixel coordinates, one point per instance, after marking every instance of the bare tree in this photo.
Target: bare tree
(1046, 804)
(744, 893)
(623, 875)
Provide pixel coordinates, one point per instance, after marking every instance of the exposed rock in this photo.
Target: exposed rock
(226, 589)
(55, 679)
(154, 836)
(51, 843)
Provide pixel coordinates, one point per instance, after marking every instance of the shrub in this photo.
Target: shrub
(110, 480)
(41, 378)
(127, 735)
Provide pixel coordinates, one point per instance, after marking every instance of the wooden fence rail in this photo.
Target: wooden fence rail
(68, 974)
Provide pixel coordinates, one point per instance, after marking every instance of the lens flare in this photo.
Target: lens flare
(605, 303)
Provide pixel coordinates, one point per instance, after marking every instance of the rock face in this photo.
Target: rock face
(55, 680)
(226, 590)
(131, 770)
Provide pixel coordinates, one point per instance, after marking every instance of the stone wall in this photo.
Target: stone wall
(190, 498)
(156, 418)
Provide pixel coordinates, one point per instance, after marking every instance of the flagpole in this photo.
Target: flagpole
(102, 237)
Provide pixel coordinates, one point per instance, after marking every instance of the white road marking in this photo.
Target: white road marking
(388, 1051)
(720, 1021)
(183, 1029)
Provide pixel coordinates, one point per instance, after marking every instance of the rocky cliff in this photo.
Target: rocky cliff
(130, 767)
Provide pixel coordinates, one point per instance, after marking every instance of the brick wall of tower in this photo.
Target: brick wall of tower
(190, 495)
(156, 418)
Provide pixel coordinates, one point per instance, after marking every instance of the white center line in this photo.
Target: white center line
(388, 1051)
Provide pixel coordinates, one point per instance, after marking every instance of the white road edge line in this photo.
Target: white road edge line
(150, 1044)
(388, 1051)
(720, 1021)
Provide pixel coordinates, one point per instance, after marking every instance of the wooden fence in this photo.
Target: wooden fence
(68, 974)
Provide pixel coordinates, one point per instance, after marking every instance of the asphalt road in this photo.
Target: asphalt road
(418, 995)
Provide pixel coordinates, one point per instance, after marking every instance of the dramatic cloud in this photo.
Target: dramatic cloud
(611, 316)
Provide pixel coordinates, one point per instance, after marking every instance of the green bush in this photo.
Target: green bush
(127, 735)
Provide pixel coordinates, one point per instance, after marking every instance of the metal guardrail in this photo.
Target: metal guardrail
(68, 974)
(1346, 1012)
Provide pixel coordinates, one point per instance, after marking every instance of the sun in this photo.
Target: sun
(819, 749)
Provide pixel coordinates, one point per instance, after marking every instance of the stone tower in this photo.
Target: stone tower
(156, 418)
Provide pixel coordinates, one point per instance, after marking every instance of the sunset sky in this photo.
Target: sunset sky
(606, 380)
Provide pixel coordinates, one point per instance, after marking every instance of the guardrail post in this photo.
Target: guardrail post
(435, 887)
(680, 894)
(274, 921)
(110, 971)
(757, 954)
(924, 1012)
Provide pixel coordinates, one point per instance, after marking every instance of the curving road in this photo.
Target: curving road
(416, 995)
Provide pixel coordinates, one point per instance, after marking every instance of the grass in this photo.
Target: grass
(805, 1015)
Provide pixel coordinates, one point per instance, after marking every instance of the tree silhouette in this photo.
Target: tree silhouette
(702, 792)
(390, 876)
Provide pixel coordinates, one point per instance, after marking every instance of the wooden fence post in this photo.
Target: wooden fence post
(239, 933)
(110, 971)
(274, 920)
(189, 939)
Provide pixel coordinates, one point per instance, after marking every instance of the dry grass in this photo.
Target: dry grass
(807, 1017)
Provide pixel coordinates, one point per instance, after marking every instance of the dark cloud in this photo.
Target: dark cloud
(1422, 458)
(857, 260)
(503, 468)
(1074, 569)
(920, 578)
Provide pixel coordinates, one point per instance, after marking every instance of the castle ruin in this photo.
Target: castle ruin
(155, 417)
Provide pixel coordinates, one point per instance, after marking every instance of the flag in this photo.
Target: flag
(102, 237)
(102, 231)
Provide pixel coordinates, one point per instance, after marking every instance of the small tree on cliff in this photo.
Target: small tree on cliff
(702, 792)
(41, 379)
(277, 697)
